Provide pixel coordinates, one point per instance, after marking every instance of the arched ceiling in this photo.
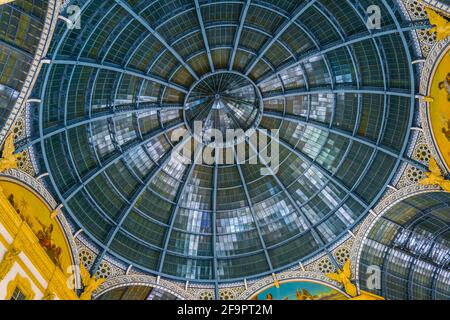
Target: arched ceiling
(137, 293)
(114, 92)
(410, 244)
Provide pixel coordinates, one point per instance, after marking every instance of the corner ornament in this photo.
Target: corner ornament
(8, 159)
(90, 283)
(343, 277)
(440, 24)
(435, 177)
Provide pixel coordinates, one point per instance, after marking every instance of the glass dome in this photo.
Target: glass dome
(115, 90)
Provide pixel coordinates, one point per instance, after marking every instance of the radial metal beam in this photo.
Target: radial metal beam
(204, 35)
(349, 191)
(297, 13)
(250, 202)
(71, 159)
(92, 32)
(374, 41)
(383, 71)
(224, 47)
(67, 148)
(91, 86)
(436, 274)
(158, 36)
(237, 37)
(324, 142)
(41, 111)
(336, 25)
(312, 163)
(126, 151)
(331, 19)
(119, 69)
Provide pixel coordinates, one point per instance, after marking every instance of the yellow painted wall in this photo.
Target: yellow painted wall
(33, 270)
(37, 215)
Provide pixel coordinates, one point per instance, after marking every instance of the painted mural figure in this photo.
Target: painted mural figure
(446, 85)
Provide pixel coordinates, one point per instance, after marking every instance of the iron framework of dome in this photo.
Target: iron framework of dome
(410, 246)
(114, 91)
